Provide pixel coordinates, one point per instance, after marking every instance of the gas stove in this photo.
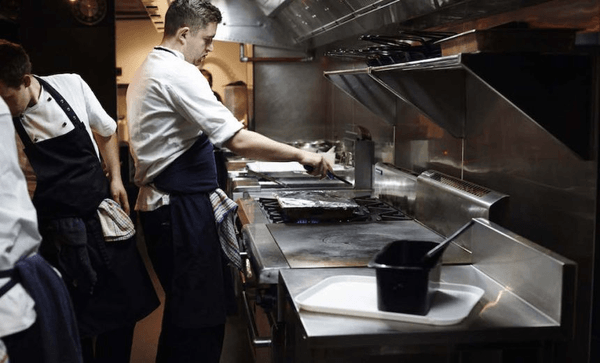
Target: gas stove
(370, 210)
(273, 241)
(399, 206)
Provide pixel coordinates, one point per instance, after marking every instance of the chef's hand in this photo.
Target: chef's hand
(316, 164)
(119, 194)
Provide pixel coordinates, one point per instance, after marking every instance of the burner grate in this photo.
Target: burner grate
(370, 210)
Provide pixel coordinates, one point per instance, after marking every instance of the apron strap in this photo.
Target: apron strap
(64, 105)
(9, 285)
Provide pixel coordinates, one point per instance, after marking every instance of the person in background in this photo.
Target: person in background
(37, 323)
(209, 78)
(63, 133)
(236, 100)
(220, 159)
(174, 121)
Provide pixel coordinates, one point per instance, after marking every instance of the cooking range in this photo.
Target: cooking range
(284, 255)
(273, 241)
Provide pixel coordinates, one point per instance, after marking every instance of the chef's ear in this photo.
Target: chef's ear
(183, 33)
(27, 80)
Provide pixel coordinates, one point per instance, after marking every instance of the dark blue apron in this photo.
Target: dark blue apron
(198, 287)
(70, 186)
(64, 188)
(55, 330)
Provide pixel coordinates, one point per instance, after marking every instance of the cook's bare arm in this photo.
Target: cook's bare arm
(109, 149)
(255, 146)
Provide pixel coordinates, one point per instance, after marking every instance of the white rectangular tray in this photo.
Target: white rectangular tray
(357, 296)
(284, 166)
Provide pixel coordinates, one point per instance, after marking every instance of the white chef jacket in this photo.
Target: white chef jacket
(19, 236)
(169, 105)
(46, 120)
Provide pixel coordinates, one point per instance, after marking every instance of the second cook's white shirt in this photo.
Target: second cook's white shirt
(169, 105)
(46, 119)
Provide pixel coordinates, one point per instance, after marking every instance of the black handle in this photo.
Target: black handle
(330, 175)
(434, 254)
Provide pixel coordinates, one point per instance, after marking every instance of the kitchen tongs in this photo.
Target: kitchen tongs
(330, 175)
(268, 177)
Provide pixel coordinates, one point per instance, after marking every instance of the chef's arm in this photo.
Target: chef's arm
(109, 149)
(255, 146)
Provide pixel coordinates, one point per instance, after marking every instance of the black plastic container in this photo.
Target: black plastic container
(404, 284)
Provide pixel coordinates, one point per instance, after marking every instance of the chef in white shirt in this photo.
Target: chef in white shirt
(175, 121)
(28, 333)
(64, 138)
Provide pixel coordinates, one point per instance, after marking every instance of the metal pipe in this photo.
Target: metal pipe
(245, 59)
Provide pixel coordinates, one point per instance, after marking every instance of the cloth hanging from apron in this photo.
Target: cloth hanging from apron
(70, 186)
(200, 283)
(224, 209)
(55, 325)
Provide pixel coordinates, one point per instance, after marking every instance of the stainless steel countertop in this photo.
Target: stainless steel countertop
(500, 315)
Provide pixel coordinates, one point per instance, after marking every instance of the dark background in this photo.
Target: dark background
(57, 43)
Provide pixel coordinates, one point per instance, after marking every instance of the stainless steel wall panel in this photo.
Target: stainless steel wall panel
(539, 276)
(396, 186)
(422, 145)
(290, 98)
(553, 191)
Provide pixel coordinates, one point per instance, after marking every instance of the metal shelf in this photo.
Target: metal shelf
(553, 90)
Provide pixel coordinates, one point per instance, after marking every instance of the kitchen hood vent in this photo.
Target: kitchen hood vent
(553, 90)
(247, 22)
(309, 24)
(268, 7)
(322, 22)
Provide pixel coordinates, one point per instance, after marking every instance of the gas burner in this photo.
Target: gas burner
(374, 210)
(370, 210)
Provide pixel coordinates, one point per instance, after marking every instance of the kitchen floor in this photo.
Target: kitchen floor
(235, 347)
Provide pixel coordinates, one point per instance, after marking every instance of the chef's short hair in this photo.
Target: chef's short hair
(14, 64)
(196, 14)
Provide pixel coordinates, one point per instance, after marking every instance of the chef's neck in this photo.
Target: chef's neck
(172, 43)
(34, 89)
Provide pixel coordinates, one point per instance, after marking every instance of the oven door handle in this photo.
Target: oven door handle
(257, 341)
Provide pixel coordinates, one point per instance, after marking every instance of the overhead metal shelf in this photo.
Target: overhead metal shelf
(553, 90)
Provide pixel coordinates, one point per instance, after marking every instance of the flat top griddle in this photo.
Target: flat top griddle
(342, 245)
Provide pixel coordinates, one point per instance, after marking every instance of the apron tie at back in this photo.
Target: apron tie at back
(224, 209)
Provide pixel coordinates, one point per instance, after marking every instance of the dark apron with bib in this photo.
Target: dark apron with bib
(70, 179)
(199, 289)
(70, 186)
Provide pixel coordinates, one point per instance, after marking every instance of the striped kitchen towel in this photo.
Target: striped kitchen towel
(116, 224)
(224, 209)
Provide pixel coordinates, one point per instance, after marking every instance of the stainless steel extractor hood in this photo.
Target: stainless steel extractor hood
(314, 23)
(554, 90)
(309, 24)
(244, 21)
